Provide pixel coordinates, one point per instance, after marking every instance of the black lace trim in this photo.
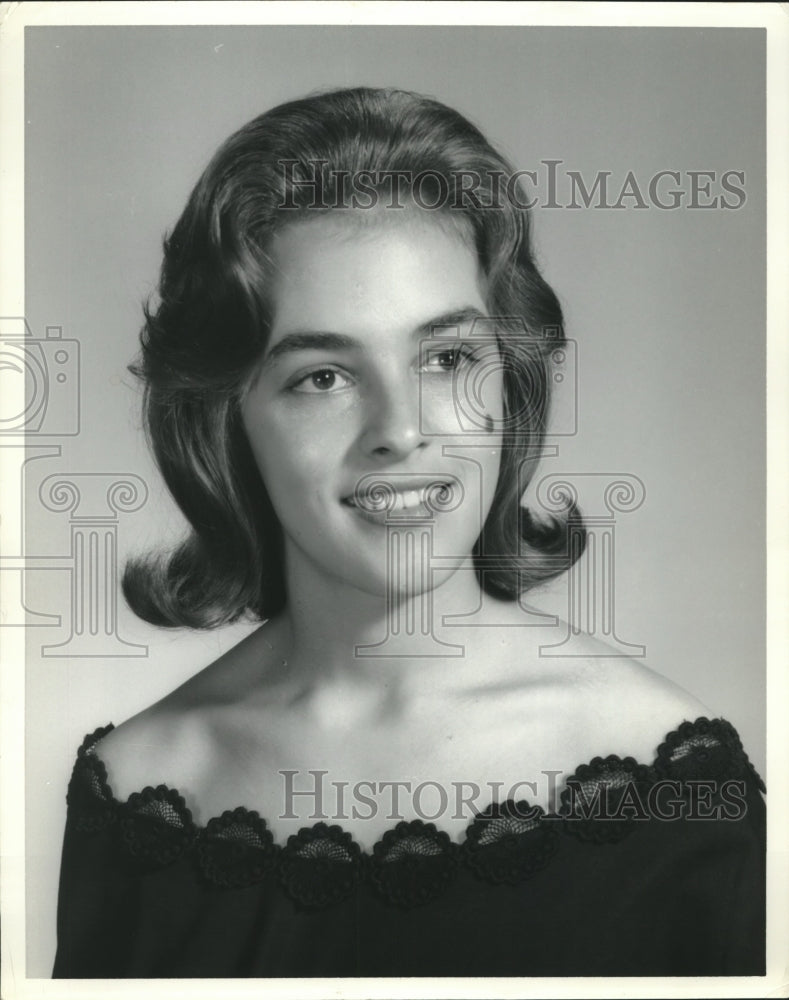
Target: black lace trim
(508, 843)
(156, 826)
(319, 865)
(412, 863)
(705, 749)
(604, 799)
(236, 849)
(89, 797)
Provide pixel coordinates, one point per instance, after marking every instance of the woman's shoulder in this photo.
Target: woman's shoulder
(598, 702)
(165, 744)
(624, 685)
(176, 741)
(631, 706)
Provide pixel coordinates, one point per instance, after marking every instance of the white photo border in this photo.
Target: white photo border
(14, 17)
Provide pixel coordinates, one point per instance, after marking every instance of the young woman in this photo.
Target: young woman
(346, 391)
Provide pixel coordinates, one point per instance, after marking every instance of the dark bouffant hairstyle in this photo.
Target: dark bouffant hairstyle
(202, 344)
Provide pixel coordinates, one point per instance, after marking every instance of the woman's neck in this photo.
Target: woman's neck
(338, 631)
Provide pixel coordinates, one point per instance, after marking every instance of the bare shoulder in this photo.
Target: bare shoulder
(624, 704)
(174, 741)
(145, 750)
(560, 711)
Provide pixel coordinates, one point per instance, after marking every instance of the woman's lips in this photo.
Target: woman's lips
(386, 504)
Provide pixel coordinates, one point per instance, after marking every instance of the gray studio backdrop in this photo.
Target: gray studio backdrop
(666, 306)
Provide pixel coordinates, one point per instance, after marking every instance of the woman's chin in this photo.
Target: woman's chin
(400, 583)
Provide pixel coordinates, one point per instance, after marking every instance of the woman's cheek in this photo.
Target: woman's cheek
(464, 410)
(440, 409)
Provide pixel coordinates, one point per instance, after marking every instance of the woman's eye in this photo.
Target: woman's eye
(321, 380)
(449, 359)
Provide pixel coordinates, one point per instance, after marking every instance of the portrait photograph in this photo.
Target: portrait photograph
(393, 440)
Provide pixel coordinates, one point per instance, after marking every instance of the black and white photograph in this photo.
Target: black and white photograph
(393, 443)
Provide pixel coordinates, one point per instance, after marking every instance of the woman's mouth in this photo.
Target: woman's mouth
(382, 502)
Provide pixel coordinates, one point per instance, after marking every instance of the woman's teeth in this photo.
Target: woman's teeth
(411, 498)
(397, 500)
(401, 500)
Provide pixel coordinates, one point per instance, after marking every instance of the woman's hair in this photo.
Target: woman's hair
(338, 151)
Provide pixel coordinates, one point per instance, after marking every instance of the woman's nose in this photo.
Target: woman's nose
(393, 421)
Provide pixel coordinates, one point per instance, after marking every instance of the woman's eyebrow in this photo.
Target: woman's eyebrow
(456, 317)
(327, 341)
(311, 341)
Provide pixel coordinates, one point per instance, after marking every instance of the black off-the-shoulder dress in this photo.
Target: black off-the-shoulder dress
(652, 869)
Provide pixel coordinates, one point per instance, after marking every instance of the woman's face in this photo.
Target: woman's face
(360, 384)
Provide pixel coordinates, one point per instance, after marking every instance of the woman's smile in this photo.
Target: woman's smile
(388, 499)
(355, 417)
